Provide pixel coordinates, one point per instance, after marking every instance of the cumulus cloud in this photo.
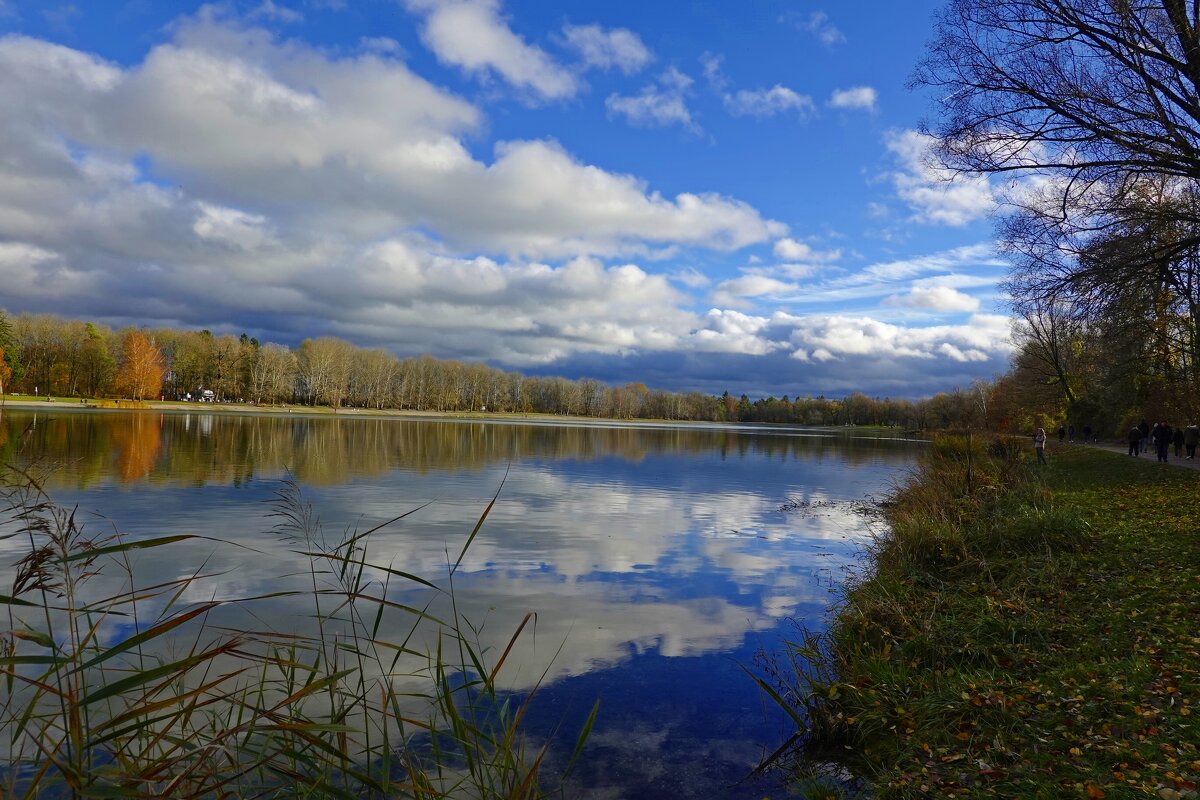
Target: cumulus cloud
(659, 104)
(599, 48)
(778, 99)
(840, 337)
(936, 195)
(767, 102)
(472, 35)
(793, 250)
(941, 299)
(860, 98)
(297, 193)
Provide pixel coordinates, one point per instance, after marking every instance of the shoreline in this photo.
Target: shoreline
(1032, 640)
(27, 403)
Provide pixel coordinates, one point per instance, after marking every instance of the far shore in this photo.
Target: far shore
(35, 403)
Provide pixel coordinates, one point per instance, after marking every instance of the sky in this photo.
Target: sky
(700, 196)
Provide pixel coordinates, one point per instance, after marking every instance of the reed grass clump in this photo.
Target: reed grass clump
(117, 686)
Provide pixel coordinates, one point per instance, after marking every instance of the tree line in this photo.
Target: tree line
(49, 355)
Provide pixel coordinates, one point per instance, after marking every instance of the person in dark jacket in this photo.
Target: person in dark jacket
(1135, 441)
(1162, 436)
(1177, 440)
(1191, 438)
(1144, 427)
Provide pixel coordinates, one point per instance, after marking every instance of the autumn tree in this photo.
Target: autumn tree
(7, 357)
(325, 365)
(140, 374)
(272, 374)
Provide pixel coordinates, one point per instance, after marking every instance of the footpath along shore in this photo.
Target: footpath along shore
(1173, 460)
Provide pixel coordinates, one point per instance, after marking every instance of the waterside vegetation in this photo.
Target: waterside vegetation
(1019, 634)
(113, 685)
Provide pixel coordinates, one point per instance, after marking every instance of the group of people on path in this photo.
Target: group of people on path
(1163, 436)
(1140, 437)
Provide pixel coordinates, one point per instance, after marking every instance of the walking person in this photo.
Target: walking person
(1191, 438)
(1177, 440)
(1039, 445)
(1135, 441)
(1144, 427)
(1071, 434)
(1162, 440)
(1062, 434)
(1087, 433)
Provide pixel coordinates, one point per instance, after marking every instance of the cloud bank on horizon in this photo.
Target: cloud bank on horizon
(580, 197)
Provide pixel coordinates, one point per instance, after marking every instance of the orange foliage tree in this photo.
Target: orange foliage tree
(5, 372)
(142, 366)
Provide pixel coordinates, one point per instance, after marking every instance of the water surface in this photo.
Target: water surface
(658, 559)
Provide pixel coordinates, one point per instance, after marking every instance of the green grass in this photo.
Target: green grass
(1038, 637)
(177, 705)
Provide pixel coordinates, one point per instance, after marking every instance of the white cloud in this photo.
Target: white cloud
(735, 291)
(268, 9)
(726, 331)
(817, 23)
(767, 102)
(605, 49)
(778, 99)
(940, 299)
(290, 186)
(793, 250)
(861, 98)
(845, 337)
(472, 34)
(936, 195)
(660, 104)
(692, 278)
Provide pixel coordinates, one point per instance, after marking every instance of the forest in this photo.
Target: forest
(48, 355)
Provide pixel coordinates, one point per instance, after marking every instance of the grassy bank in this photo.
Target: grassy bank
(1024, 632)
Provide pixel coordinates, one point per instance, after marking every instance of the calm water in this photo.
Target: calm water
(658, 560)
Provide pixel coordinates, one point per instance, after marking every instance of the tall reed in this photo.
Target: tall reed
(137, 692)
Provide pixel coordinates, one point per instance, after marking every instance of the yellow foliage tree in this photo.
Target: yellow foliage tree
(142, 366)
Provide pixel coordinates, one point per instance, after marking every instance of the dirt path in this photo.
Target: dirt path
(1123, 449)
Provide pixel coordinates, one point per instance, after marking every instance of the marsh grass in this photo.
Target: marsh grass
(138, 692)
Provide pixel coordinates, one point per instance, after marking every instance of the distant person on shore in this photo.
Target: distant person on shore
(1162, 440)
(1177, 440)
(1062, 434)
(1135, 441)
(1039, 445)
(1144, 427)
(1071, 434)
(1191, 438)
(1087, 433)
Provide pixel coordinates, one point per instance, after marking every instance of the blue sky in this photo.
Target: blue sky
(699, 196)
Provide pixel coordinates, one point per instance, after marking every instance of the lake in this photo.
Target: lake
(658, 559)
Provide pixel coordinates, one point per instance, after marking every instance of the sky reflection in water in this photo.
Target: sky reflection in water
(658, 560)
